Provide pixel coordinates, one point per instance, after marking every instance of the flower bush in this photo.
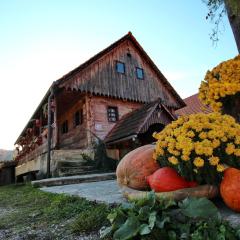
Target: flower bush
(199, 146)
(221, 82)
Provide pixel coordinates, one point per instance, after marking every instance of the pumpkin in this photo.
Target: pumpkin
(136, 166)
(167, 179)
(230, 188)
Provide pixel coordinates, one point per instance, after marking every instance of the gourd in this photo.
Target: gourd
(136, 166)
(230, 188)
(167, 179)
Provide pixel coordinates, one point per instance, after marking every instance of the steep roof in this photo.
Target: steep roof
(193, 105)
(139, 120)
(111, 88)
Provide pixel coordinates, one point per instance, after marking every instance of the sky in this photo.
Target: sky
(42, 40)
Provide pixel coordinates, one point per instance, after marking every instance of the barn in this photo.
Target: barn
(117, 98)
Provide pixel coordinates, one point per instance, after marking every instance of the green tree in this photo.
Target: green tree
(217, 9)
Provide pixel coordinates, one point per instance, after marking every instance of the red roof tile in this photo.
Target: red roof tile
(193, 106)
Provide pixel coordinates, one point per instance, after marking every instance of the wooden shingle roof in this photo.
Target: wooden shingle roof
(139, 120)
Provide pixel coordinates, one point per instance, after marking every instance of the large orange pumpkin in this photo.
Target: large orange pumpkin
(230, 188)
(136, 166)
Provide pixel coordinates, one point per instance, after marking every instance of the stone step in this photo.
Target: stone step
(66, 168)
(74, 179)
(77, 172)
(63, 164)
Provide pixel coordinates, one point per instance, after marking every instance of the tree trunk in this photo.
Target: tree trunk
(233, 11)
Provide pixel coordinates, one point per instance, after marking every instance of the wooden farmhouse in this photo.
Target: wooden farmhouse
(119, 96)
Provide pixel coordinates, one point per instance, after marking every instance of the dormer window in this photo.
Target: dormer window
(139, 73)
(120, 67)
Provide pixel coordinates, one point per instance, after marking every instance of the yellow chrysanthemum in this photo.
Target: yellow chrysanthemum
(214, 160)
(173, 160)
(222, 81)
(230, 148)
(220, 168)
(198, 162)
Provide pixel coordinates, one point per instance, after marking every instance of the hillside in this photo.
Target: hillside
(6, 155)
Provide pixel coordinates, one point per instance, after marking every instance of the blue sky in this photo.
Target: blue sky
(42, 40)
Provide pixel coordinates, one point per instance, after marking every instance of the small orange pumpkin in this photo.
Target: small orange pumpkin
(230, 188)
(136, 166)
(167, 179)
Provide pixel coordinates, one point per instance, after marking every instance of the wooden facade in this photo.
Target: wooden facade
(80, 100)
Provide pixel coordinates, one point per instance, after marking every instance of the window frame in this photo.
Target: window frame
(80, 118)
(124, 67)
(115, 114)
(138, 68)
(64, 127)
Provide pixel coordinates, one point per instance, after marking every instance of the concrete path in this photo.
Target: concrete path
(59, 181)
(103, 191)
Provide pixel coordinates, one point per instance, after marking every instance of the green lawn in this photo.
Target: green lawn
(24, 207)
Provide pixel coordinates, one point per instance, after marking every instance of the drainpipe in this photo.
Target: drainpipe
(49, 132)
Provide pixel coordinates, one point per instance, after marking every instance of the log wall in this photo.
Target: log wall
(98, 117)
(76, 137)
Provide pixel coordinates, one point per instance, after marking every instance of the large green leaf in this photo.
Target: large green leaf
(152, 219)
(199, 208)
(117, 218)
(128, 230)
(144, 213)
(161, 222)
(144, 229)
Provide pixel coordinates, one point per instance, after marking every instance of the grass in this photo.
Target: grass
(30, 207)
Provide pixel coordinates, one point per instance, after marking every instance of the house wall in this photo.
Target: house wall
(76, 137)
(98, 119)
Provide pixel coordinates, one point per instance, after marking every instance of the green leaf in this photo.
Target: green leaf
(199, 208)
(128, 230)
(127, 206)
(144, 213)
(117, 218)
(152, 219)
(144, 229)
(160, 223)
(172, 235)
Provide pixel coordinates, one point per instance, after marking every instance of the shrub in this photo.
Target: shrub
(199, 146)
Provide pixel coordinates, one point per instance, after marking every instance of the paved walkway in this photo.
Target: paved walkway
(103, 191)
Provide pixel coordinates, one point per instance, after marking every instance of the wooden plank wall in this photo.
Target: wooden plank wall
(98, 121)
(76, 138)
(101, 78)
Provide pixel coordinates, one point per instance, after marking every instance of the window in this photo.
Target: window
(78, 118)
(52, 117)
(139, 72)
(120, 67)
(65, 127)
(112, 113)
